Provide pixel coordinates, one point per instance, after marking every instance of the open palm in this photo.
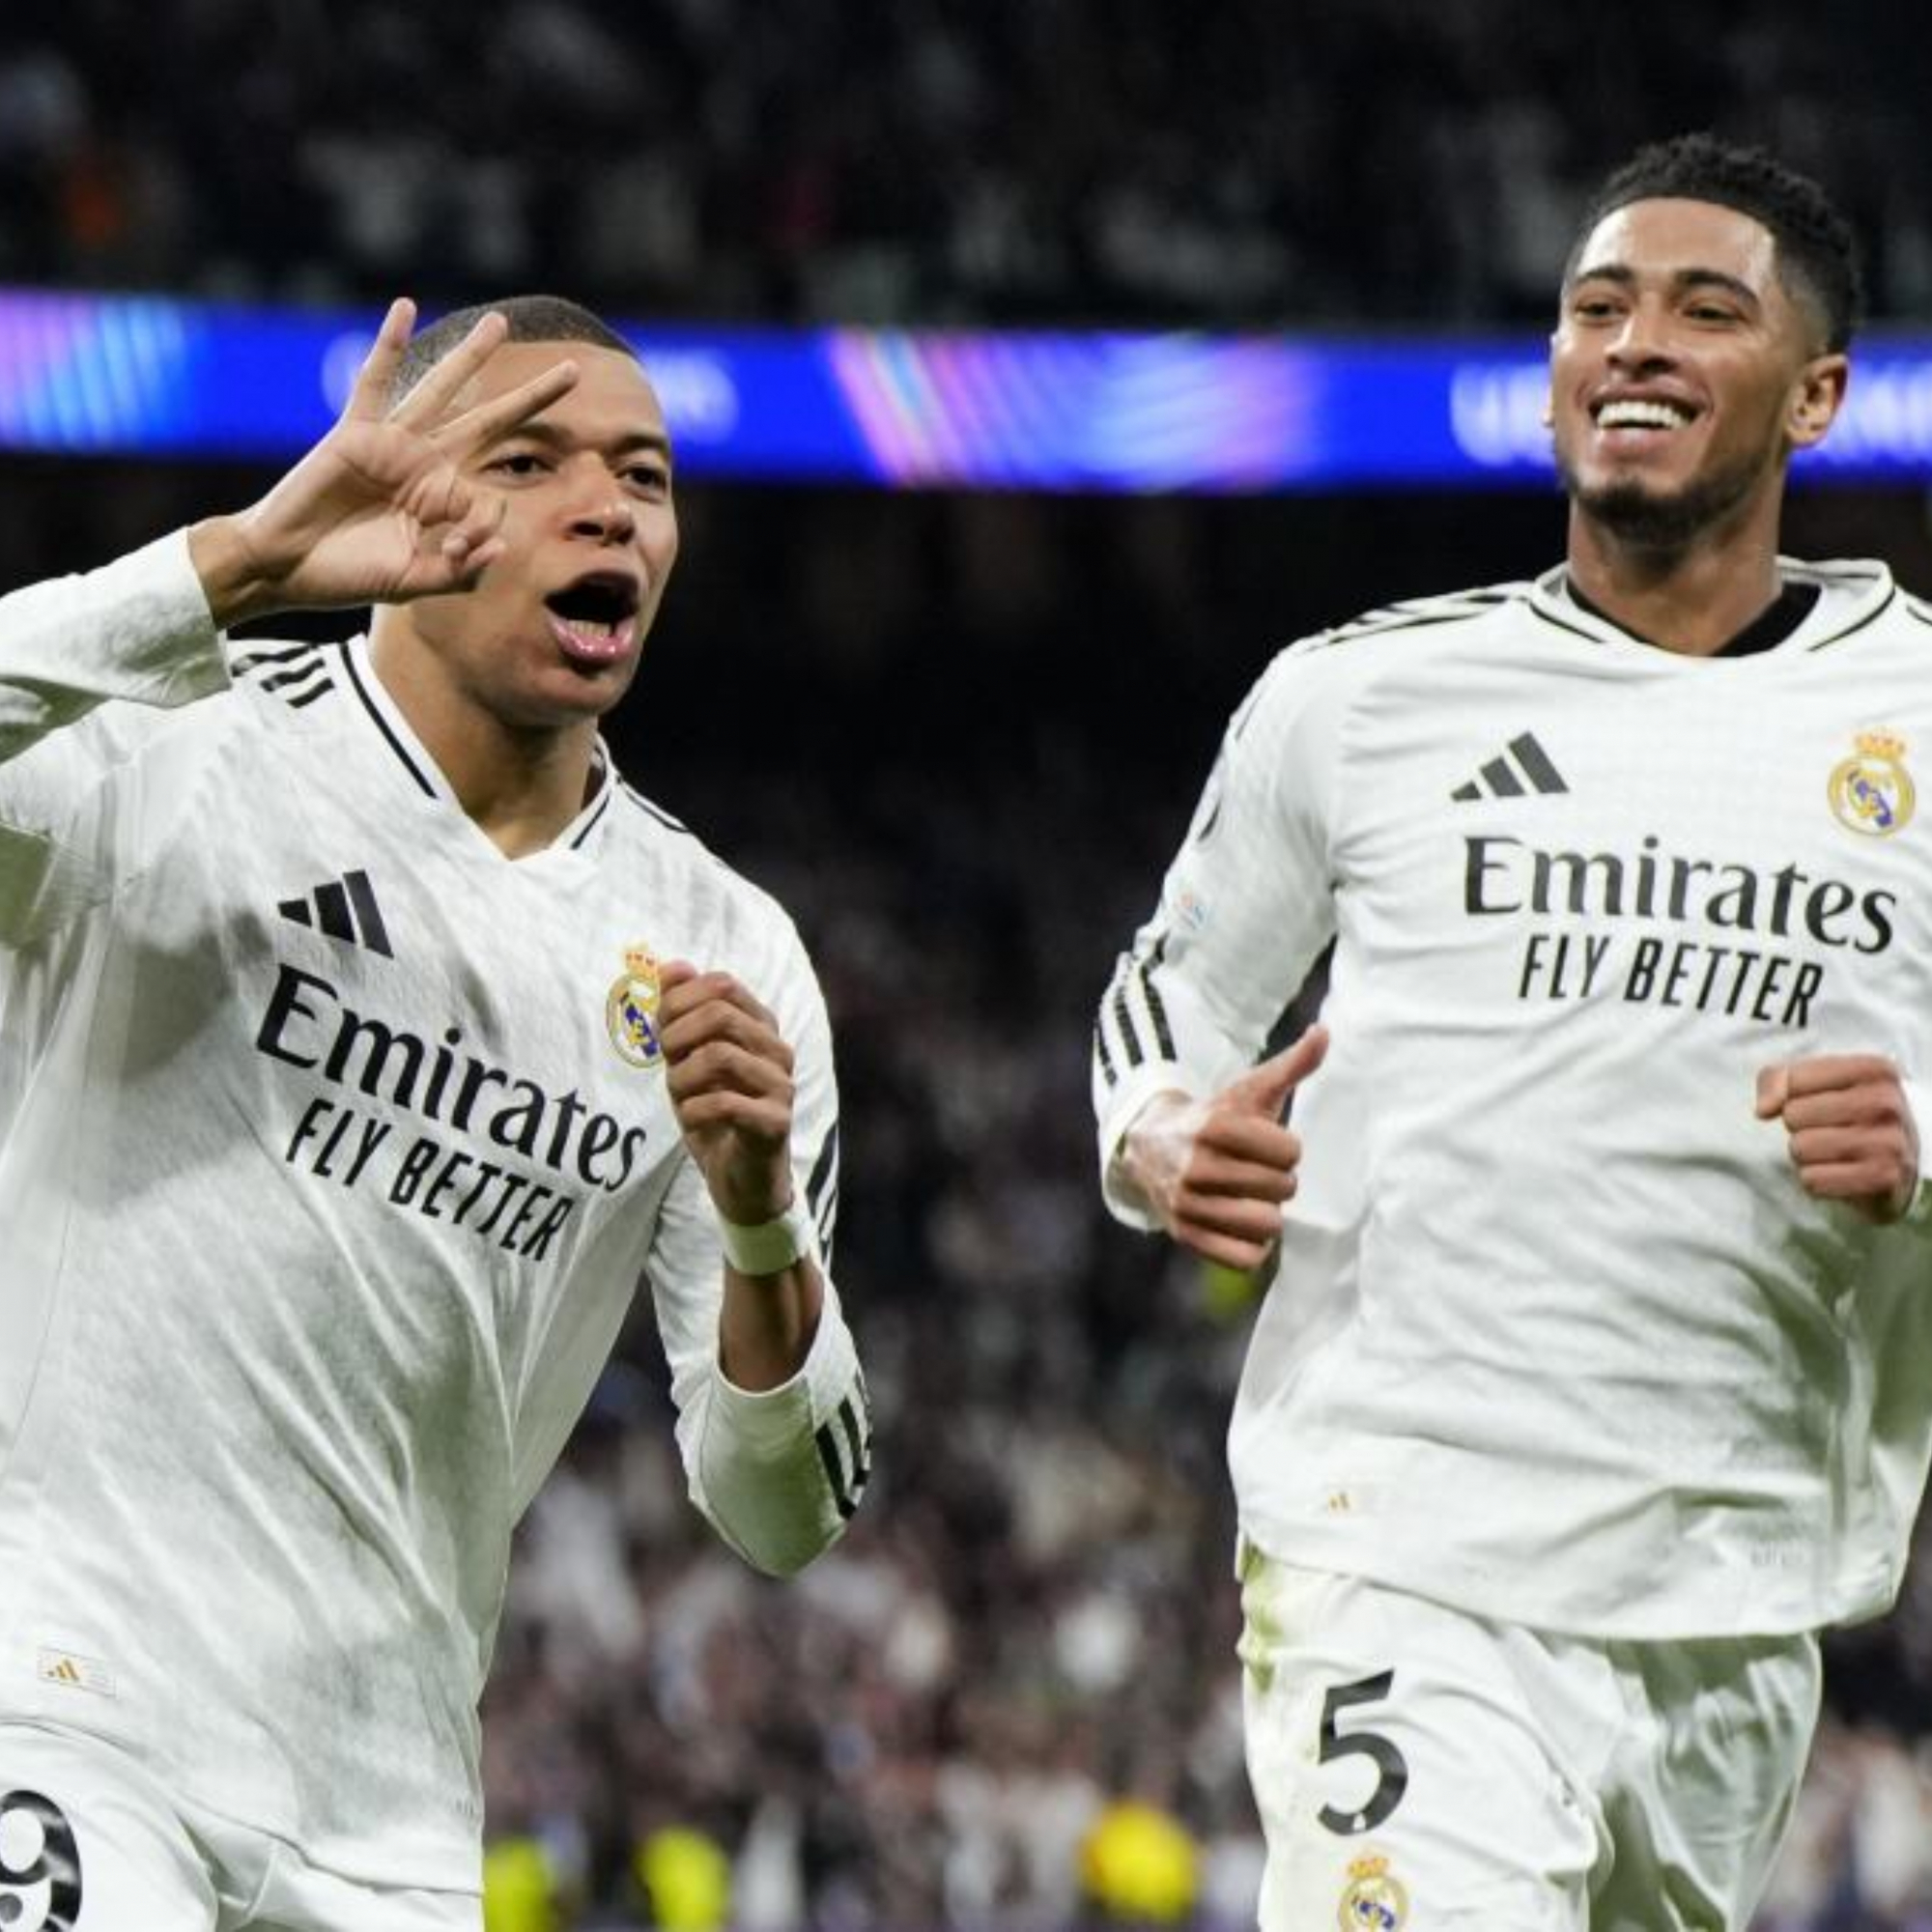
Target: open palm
(381, 510)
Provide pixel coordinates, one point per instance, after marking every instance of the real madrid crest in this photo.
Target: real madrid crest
(1375, 1900)
(631, 1011)
(1871, 792)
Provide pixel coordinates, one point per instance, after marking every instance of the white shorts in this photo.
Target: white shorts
(1417, 1768)
(91, 1842)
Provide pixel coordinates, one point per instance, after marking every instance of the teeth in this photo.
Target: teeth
(593, 637)
(1633, 415)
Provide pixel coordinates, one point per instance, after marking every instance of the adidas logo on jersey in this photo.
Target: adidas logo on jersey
(345, 909)
(1523, 766)
(74, 1672)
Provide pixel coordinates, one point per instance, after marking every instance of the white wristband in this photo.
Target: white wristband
(765, 1247)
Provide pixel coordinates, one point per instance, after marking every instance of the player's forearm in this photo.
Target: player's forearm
(250, 566)
(767, 1324)
(236, 580)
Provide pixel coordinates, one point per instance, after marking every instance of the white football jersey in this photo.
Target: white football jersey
(1556, 1334)
(333, 1145)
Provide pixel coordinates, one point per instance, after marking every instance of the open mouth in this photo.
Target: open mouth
(595, 619)
(1641, 412)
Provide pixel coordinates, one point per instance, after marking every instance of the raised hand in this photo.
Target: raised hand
(1850, 1129)
(1215, 1173)
(729, 1075)
(380, 510)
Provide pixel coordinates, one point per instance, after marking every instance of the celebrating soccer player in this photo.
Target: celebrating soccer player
(1595, 1373)
(366, 1040)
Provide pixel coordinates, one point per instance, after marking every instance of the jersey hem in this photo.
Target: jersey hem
(1502, 1599)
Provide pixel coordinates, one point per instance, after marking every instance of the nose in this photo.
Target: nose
(1642, 340)
(601, 511)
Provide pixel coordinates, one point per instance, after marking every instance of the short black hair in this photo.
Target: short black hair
(1817, 257)
(532, 319)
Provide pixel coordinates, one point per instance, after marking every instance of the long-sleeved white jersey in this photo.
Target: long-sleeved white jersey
(332, 1146)
(1556, 1334)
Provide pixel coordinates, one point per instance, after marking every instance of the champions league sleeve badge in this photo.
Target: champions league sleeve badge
(1871, 792)
(631, 1011)
(1375, 1900)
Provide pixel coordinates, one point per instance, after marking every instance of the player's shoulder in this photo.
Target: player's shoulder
(641, 823)
(287, 682)
(1412, 619)
(1860, 603)
(1855, 592)
(1352, 656)
(654, 849)
(715, 895)
(267, 684)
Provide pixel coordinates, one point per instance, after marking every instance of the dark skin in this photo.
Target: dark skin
(1684, 372)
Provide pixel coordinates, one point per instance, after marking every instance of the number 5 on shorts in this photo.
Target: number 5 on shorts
(1391, 1768)
(26, 1868)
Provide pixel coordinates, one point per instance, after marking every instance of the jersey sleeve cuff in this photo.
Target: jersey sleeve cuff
(1919, 1100)
(1918, 1097)
(1123, 1107)
(148, 616)
(768, 1422)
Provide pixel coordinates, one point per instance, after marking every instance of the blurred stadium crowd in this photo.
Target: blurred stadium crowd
(960, 738)
(926, 160)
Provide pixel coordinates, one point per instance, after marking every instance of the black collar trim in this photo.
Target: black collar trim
(1779, 620)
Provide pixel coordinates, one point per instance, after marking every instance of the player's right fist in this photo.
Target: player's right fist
(1849, 1129)
(1216, 1172)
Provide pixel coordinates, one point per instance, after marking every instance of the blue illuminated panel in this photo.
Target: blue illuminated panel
(939, 409)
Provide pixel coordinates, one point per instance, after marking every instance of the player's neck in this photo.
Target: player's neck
(520, 787)
(520, 784)
(1692, 598)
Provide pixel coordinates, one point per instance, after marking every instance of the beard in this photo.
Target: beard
(1647, 517)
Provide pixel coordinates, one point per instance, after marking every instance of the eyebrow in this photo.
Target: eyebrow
(554, 438)
(1680, 282)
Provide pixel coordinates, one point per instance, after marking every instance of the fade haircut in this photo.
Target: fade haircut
(532, 319)
(1817, 257)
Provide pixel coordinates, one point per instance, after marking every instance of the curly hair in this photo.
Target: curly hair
(1817, 257)
(532, 319)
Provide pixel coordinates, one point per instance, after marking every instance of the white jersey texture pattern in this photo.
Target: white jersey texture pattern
(1556, 1335)
(331, 1154)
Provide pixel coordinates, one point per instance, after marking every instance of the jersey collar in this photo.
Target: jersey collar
(399, 741)
(1844, 598)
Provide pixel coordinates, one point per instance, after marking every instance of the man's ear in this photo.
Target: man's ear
(1816, 398)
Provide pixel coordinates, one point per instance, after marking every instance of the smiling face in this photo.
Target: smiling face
(1683, 374)
(553, 630)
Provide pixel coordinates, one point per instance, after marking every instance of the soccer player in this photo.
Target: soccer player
(364, 1040)
(1594, 1373)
